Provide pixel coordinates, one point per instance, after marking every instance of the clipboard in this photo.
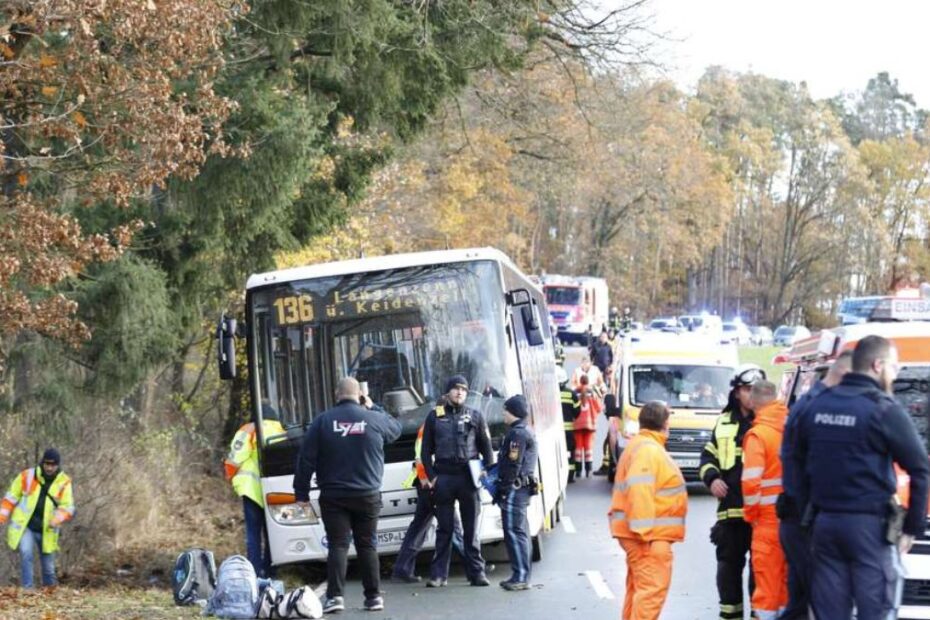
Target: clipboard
(475, 469)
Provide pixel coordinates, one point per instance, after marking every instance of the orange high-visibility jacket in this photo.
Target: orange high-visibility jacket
(761, 479)
(650, 499)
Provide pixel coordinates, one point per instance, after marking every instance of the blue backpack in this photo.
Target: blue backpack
(236, 593)
(194, 577)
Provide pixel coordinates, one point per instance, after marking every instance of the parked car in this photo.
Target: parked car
(787, 335)
(761, 336)
(735, 332)
(664, 324)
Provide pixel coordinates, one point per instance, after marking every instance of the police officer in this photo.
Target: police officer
(571, 407)
(516, 483)
(795, 539)
(454, 434)
(847, 442)
(721, 470)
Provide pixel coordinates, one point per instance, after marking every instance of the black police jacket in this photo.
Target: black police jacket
(847, 441)
(452, 436)
(517, 456)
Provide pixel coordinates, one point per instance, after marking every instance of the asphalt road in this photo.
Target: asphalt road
(581, 574)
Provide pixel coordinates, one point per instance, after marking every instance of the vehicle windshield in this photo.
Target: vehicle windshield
(729, 327)
(563, 295)
(911, 389)
(401, 333)
(681, 386)
(785, 330)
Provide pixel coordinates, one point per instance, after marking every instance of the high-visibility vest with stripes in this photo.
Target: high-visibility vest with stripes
(418, 472)
(21, 500)
(571, 407)
(241, 464)
(650, 499)
(761, 479)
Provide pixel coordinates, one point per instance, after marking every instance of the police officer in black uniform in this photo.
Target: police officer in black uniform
(454, 434)
(847, 441)
(516, 483)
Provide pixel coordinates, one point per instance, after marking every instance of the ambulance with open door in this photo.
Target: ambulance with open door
(906, 322)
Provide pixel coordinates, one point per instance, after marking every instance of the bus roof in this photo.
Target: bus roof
(377, 263)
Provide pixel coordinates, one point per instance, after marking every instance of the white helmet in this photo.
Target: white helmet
(561, 375)
(747, 374)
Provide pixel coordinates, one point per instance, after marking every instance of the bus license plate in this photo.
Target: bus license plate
(688, 462)
(391, 537)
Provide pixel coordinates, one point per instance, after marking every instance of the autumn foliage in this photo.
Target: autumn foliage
(100, 101)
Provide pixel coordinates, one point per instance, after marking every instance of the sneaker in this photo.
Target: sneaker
(515, 586)
(480, 580)
(374, 604)
(435, 582)
(406, 578)
(335, 603)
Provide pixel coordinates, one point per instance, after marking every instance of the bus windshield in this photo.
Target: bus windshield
(563, 295)
(681, 386)
(401, 333)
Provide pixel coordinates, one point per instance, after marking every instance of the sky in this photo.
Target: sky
(835, 46)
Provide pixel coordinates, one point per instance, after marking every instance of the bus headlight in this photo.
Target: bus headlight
(285, 510)
(631, 427)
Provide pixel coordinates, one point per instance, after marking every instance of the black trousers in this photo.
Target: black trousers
(346, 520)
(733, 538)
(570, 444)
(451, 488)
(796, 542)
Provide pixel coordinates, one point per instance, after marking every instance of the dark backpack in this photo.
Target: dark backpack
(194, 576)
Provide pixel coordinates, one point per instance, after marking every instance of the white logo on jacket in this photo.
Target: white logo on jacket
(349, 428)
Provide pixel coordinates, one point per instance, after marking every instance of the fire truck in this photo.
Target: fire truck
(906, 322)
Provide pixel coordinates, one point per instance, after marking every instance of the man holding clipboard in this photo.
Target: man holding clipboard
(453, 435)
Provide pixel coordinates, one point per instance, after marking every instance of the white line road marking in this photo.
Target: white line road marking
(568, 525)
(599, 584)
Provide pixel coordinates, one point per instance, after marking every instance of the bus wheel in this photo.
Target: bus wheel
(537, 547)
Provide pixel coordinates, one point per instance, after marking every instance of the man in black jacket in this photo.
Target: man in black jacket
(453, 435)
(344, 446)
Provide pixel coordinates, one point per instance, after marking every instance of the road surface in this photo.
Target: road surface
(581, 574)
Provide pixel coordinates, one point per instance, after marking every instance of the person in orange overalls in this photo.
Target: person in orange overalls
(585, 425)
(647, 513)
(761, 483)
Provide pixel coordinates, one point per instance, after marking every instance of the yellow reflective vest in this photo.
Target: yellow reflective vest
(241, 464)
(20, 501)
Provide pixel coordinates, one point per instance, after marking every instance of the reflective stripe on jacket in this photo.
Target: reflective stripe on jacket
(650, 499)
(20, 502)
(762, 474)
(418, 472)
(722, 457)
(241, 464)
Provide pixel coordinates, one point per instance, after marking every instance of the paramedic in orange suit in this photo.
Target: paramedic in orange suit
(762, 483)
(647, 513)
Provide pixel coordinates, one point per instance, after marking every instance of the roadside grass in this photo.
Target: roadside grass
(763, 357)
(115, 601)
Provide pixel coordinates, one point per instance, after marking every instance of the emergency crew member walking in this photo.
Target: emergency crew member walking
(762, 484)
(846, 445)
(38, 501)
(647, 513)
(419, 526)
(721, 470)
(344, 446)
(454, 434)
(241, 467)
(571, 408)
(585, 427)
(795, 539)
(516, 483)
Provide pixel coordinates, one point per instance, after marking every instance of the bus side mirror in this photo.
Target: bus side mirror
(226, 347)
(534, 335)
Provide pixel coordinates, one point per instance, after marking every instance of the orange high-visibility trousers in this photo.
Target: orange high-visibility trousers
(648, 576)
(770, 571)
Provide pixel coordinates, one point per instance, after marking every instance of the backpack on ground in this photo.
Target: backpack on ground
(194, 576)
(300, 603)
(236, 593)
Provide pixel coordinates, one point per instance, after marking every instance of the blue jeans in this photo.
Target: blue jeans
(256, 538)
(28, 544)
(516, 534)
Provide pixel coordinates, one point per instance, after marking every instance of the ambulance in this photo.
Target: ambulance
(689, 371)
(906, 322)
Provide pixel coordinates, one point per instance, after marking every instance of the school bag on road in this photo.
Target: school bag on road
(236, 593)
(299, 603)
(194, 576)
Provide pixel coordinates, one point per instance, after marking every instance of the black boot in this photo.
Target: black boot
(588, 467)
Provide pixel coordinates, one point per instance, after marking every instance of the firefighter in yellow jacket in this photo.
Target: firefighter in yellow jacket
(241, 467)
(38, 501)
(647, 514)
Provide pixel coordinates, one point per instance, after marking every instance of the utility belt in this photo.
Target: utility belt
(530, 483)
(451, 468)
(893, 514)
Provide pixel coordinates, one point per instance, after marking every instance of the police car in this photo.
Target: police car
(906, 322)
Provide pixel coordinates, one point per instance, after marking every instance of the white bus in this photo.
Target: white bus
(403, 324)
